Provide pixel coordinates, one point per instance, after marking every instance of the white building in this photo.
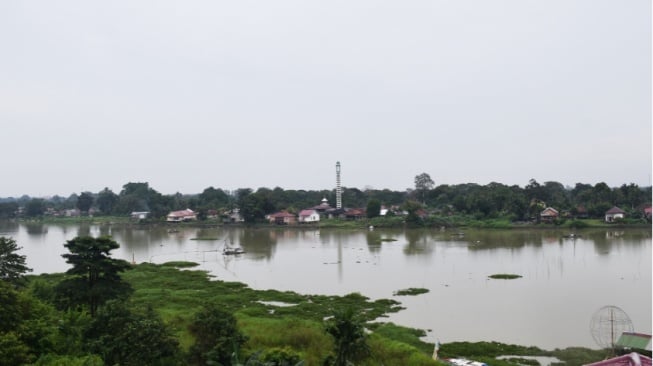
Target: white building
(308, 216)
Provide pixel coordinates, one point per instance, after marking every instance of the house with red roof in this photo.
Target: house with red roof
(308, 216)
(282, 218)
(183, 215)
(549, 214)
(355, 213)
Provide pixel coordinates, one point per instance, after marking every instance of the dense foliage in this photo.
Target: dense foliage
(94, 277)
(12, 264)
(494, 200)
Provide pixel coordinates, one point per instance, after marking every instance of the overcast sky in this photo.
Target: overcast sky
(191, 94)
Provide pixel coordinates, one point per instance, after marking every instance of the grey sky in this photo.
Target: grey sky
(191, 94)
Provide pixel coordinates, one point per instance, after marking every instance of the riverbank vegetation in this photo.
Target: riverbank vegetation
(494, 205)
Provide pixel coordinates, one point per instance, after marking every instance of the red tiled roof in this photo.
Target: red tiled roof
(182, 213)
(355, 211)
(307, 212)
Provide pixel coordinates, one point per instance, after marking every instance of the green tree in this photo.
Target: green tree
(95, 275)
(373, 208)
(106, 201)
(8, 210)
(213, 198)
(26, 326)
(12, 265)
(350, 341)
(217, 337)
(412, 207)
(13, 351)
(423, 184)
(85, 201)
(35, 207)
(9, 308)
(124, 337)
(140, 197)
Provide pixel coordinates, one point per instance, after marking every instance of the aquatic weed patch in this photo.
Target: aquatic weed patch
(412, 291)
(504, 276)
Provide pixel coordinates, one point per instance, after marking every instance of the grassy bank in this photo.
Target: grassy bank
(283, 321)
(449, 221)
(272, 320)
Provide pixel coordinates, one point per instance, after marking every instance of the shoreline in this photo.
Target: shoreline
(361, 224)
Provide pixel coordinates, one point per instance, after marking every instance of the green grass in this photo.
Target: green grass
(180, 264)
(177, 295)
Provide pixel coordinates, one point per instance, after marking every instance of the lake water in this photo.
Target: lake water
(564, 281)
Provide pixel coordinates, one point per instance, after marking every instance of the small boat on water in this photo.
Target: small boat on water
(571, 236)
(232, 251)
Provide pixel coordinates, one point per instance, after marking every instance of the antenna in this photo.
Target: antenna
(338, 188)
(608, 324)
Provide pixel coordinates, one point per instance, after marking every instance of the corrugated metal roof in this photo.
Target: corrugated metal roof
(635, 341)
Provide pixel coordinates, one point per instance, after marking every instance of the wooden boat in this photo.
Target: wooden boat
(232, 251)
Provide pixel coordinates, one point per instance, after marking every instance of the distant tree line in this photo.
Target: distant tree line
(493, 200)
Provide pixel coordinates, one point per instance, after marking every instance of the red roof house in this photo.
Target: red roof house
(282, 218)
(308, 216)
(183, 215)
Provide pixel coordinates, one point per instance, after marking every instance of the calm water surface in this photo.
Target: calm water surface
(564, 281)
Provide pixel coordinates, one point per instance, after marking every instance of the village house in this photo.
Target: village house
(72, 213)
(581, 212)
(282, 218)
(308, 216)
(183, 215)
(549, 214)
(384, 211)
(355, 214)
(139, 215)
(233, 216)
(615, 213)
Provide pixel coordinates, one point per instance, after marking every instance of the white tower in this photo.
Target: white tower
(338, 189)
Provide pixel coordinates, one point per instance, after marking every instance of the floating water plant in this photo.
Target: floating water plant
(504, 276)
(411, 291)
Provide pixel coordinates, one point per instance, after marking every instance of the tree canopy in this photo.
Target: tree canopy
(12, 264)
(95, 275)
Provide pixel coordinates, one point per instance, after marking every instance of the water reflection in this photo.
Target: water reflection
(36, 228)
(419, 242)
(262, 243)
(8, 227)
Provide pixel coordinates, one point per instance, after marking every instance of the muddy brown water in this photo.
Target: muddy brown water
(564, 281)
